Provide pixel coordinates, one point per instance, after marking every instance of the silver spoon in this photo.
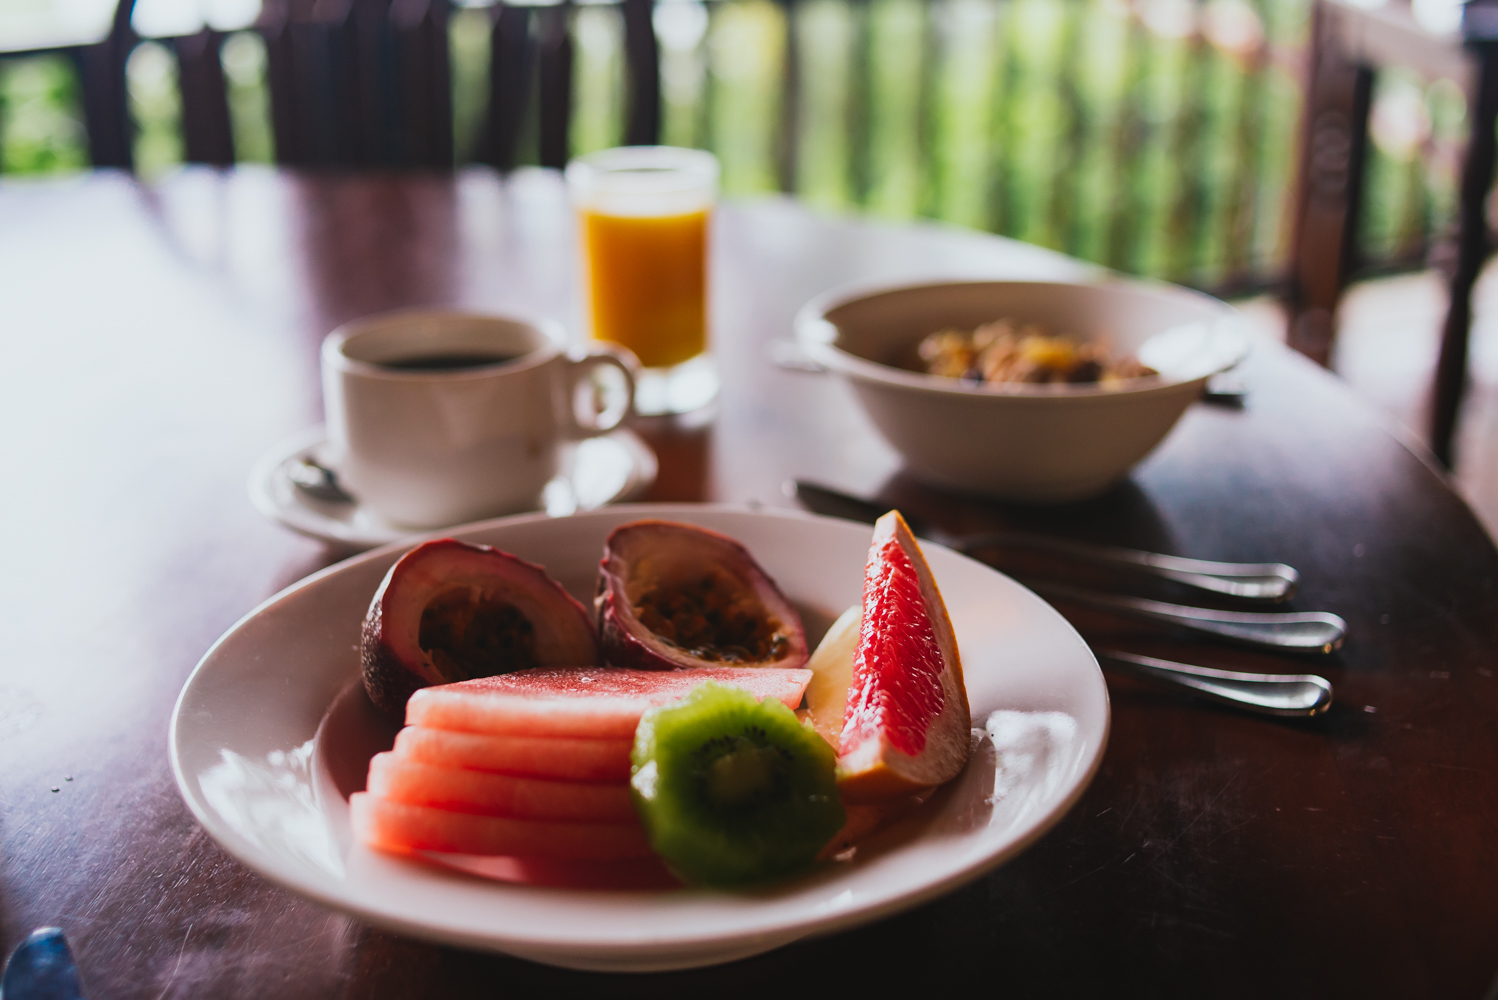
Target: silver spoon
(1271, 694)
(1249, 581)
(1283, 632)
(316, 480)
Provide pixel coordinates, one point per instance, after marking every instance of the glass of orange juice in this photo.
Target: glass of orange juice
(644, 213)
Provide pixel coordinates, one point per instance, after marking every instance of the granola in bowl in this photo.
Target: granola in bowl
(1006, 351)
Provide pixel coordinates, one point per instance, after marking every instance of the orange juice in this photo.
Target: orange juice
(647, 281)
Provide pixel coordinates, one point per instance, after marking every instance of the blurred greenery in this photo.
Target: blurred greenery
(41, 128)
(156, 107)
(598, 79)
(244, 60)
(1156, 136)
(468, 61)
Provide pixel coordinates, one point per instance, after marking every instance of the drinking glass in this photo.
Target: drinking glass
(644, 214)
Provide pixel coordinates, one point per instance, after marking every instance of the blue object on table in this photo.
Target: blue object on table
(41, 968)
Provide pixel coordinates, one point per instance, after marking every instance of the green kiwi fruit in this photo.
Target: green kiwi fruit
(732, 790)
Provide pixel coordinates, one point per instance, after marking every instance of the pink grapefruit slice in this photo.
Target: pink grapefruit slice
(906, 724)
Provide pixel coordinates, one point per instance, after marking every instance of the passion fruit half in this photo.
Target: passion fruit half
(449, 611)
(674, 595)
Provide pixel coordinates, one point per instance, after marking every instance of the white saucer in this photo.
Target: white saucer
(602, 470)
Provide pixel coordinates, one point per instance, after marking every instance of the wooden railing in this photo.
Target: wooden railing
(1154, 136)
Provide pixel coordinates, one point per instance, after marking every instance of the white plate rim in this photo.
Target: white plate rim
(582, 954)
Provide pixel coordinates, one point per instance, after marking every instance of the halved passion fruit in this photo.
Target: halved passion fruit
(674, 595)
(448, 611)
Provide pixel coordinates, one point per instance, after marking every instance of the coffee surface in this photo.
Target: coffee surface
(447, 362)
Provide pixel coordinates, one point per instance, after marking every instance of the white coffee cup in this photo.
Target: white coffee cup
(428, 443)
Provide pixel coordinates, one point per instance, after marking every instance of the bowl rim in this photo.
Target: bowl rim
(816, 335)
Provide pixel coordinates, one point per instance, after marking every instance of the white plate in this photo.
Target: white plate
(595, 472)
(267, 785)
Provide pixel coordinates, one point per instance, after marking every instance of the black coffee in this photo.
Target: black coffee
(448, 362)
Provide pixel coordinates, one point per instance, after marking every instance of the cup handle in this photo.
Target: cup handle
(587, 420)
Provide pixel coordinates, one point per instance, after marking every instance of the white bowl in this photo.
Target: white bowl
(1021, 441)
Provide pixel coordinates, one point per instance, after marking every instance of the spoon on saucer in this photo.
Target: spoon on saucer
(317, 480)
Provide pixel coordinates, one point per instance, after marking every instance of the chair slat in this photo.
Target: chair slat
(512, 66)
(554, 74)
(359, 83)
(207, 135)
(642, 64)
(423, 94)
(106, 111)
(1329, 195)
(787, 152)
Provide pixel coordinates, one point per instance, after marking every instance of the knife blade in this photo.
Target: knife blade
(1264, 582)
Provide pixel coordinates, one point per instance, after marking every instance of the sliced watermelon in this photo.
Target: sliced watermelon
(527, 756)
(417, 784)
(398, 826)
(582, 701)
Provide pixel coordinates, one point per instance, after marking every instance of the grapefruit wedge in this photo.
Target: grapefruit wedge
(831, 667)
(906, 724)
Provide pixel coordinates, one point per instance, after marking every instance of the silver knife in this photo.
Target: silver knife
(1268, 582)
(1293, 632)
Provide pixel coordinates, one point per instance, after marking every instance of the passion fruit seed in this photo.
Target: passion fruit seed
(417, 631)
(468, 638)
(675, 595)
(713, 620)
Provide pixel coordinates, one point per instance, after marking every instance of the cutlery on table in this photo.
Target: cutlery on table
(1249, 581)
(1283, 632)
(41, 968)
(1269, 694)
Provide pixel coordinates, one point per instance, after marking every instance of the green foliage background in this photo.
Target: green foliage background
(1157, 136)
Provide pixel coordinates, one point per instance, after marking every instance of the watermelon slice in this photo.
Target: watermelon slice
(525, 756)
(398, 826)
(401, 780)
(583, 701)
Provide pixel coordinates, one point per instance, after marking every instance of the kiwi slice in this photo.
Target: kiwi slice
(732, 790)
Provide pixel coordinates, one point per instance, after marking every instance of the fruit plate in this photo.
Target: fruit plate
(271, 733)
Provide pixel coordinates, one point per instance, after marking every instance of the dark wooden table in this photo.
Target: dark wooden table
(157, 340)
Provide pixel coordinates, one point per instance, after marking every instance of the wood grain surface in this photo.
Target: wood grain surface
(157, 340)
